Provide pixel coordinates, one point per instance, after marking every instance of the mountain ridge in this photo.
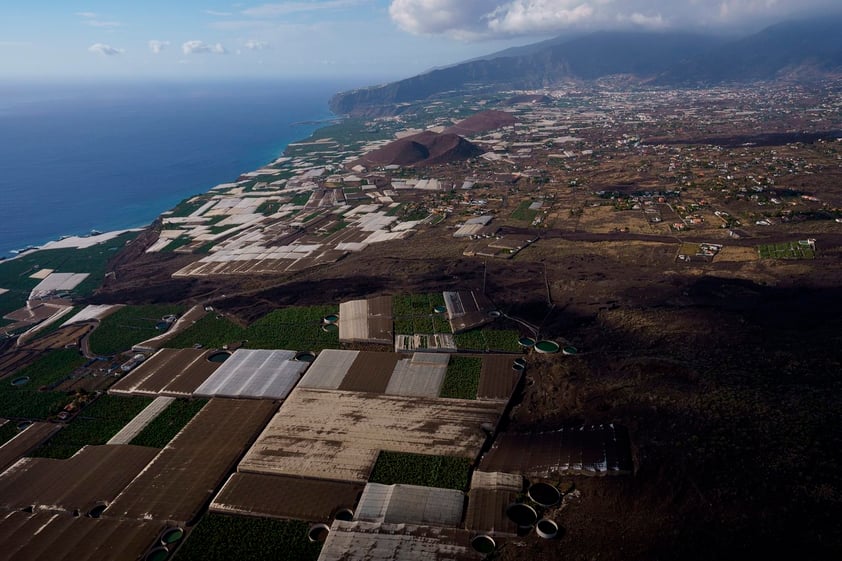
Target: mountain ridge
(805, 48)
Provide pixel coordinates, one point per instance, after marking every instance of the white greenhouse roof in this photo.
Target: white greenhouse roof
(410, 504)
(254, 373)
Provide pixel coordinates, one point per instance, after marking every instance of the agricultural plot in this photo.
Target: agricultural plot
(698, 252)
(170, 372)
(589, 450)
(254, 373)
(291, 498)
(28, 392)
(128, 326)
(443, 472)
(96, 424)
(523, 213)
(788, 250)
(85, 539)
(160, 431)
(94, 475)
(355, 541)
(461, 380)
(181, 479)
(15, 274)
(468, 310)
(492, 340)
(8, 430)
(220, 537)
(366, 321)
(18, 443)
(414, 314)
(298, 328)
(410, 504)
(337, 435)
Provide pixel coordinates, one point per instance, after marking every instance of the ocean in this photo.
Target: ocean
(76, 158)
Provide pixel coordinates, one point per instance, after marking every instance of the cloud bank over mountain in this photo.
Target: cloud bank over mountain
(486, 19)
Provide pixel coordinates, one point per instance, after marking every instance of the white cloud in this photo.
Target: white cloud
(199, 47)
(655, 21)
(217, 14)
(255, 45)
(474, 19)
(286, 8)
(94, 20)
(525, 16)
(157, 46)
(106, 50)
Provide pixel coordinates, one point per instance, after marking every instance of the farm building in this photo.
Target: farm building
(181, 478)
(25, 442)
(473, 227)
(366, 321)
(80, 538)
(92, 475)
(169, 372)
(254, 373)
(410, 504)
(337, 435)
(278, 496)
(589, 450)
(420, 374)
(467, 310)
(367, 541)
(488, 498)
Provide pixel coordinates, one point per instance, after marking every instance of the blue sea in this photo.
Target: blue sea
(74, 158)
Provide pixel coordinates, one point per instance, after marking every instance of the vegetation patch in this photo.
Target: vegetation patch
(28, 400)
(268, 208)
(499, 340)
(177, 243)
(296, 328)
(8, 431)
(220, 537)
(301, 198)
(462, 378)
(524, 213)
(212, 331)
(188, 206)
(95, 425)
(128, 326)
(787, 250)
(444, 472)
(415, 314)
(15, 274)
(165, 426)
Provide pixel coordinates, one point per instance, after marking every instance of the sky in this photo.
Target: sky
(368, 39)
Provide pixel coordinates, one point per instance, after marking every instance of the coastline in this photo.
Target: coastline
(153, 174)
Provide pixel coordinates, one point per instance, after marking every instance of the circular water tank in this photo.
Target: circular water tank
(521, 514)
(305, 356)
(546, 528)
(219, 356)
(544, 494)
(158, 554)
(483, 544)
(172, 535)
(547, 347)
(318, 533)
(345, 514)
